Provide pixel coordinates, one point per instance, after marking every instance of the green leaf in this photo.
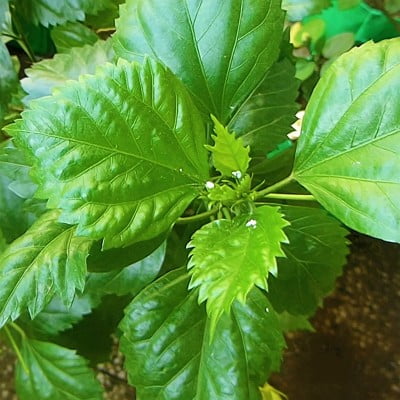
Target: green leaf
(291, 323)
(56, 317)
(108, 164)
(57, 12)
(348, 155)
(230, 257)
(266, 117)
(314, 259)
(55, 373)
(206, 44)
(48, 74)
(15, 167)
(3, 243)
(169, 353)
(338, 44)
(297, 10)
(127, 280)
(72, 34)
(48, 258)
(8, 80)
(230, 156)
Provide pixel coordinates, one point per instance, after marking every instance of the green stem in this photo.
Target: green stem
(287, 196)
(274, 187)
(15, 346)
(198, 217)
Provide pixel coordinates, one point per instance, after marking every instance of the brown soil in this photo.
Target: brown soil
(354, 355)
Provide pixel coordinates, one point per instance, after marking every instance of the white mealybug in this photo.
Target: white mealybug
(252, 223)
(210, 185)
(237, 174)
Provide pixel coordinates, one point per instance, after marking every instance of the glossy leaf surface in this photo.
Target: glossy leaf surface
(230, 257)
(123, 169)
(348, 155)
(229, 153)
(314, 259)
(46, 259)
(55, 373)
(206, 44)
(169, 354)
(45, 75)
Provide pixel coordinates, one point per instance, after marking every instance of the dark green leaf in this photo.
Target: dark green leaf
(230, 257)
(128, 280)
(48, 74)
(266, 118)
(348, 155)
(230, 156)
(56, 317)
(8, 80)
(314, 259)
(3, 243)
(48, 258)
(54, 373)
(169, 353)
(124, 169)
(56, 12)
(72, 34)
(206, 44)
(291, 323)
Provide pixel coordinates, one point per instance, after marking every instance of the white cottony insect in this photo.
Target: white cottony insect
(252, 223)
(267, 309)
(209, 185)
(237, 174)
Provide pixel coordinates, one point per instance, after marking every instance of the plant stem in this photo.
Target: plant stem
(287, 196)
(198, 217)
(274, 187)
(16, 349)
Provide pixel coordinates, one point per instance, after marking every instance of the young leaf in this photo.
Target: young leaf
(48, 258)
(230, 257)
(72, 34)
(55, 373)
(229, 154)
(349, 151)
(266, 117)
(206, 44)
(169, 353)
(123, 169)
(45, 75)
(314, 259)
(128, 280)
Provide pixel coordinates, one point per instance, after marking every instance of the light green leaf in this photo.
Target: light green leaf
(266, 117)
(48, 258)
(56, 317)
(230, 156)
(206, 44)
(8, 80)
(169, 354)
(338, 44)
(314, 259)
(48, 74)
(130, 279)
(15, 167)
(72, 34)
(291, 323)
(348, 155)
(297, 10)
(346, 4)
(55, 373)
(230, 257)
(57, 12)
(123, 169)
